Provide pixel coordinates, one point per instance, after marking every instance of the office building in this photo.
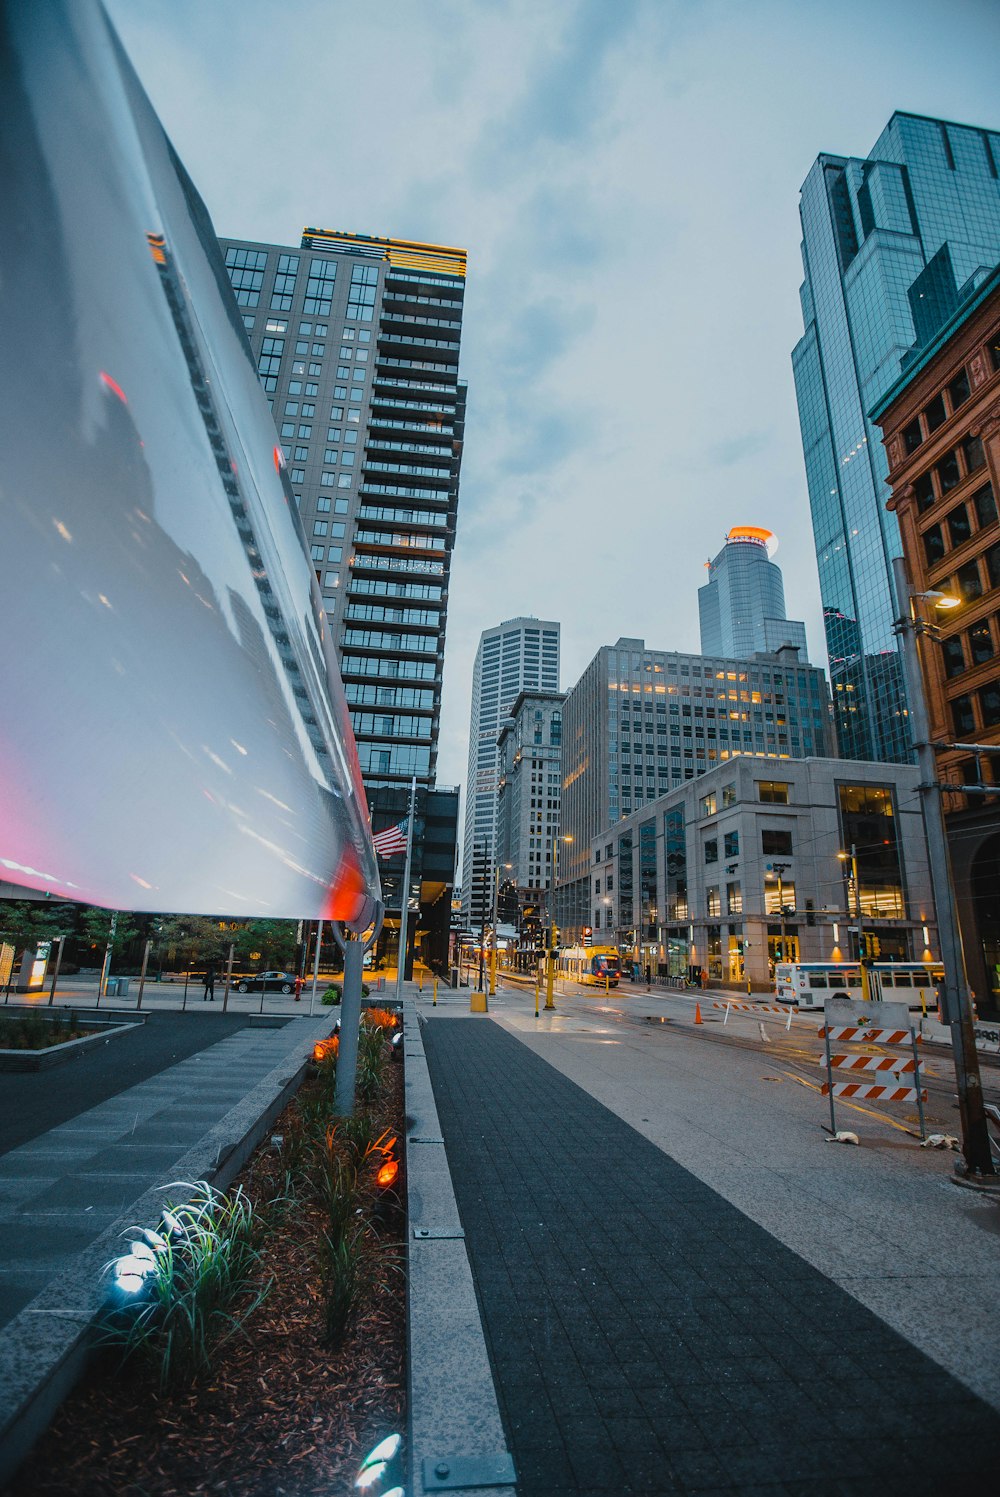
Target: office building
(890, 244)
(357, 341)
(741, 607)
(529, 751)
(740, 869)
(521, 654)
(941, 422)
(640, 722)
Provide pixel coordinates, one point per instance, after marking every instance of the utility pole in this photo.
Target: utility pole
(957, 999)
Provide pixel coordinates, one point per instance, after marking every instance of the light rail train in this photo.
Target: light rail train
(593, 966)
(809, 984)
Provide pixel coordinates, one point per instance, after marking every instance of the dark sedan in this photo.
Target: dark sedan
(267, 982)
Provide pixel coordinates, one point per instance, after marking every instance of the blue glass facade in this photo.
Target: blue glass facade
(890, 244)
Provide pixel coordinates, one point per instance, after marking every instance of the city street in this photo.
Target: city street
(744, 1114)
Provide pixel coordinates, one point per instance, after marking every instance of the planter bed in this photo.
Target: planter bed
(98, 1032)
(283, 1410)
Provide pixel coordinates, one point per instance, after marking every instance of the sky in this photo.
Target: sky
(625, 177)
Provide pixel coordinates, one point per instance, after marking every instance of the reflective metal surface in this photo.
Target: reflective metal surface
(174, 731)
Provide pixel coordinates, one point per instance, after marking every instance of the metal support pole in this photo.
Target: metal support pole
(102, 986)
(319, 942)
(142, 974)
(229, 978)
(957, 999)
(829, 1073)
(916, 1072)
(55, 974)
(350, 1023)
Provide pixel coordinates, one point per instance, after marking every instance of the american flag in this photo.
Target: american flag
(392, 840)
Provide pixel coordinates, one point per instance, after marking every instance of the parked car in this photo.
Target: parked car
(267, 982)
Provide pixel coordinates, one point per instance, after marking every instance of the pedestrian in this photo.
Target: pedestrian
(298, 987)
(703, 975)
(209, 983)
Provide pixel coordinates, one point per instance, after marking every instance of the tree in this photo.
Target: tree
(275, 940)
(25, 922)
(94, 926)
(188, 939)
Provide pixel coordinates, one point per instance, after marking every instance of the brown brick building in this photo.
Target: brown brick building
(941, 429)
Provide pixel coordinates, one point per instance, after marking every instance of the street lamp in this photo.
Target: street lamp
(496, 913)
(852, 858)
(553, 928)
(957, 999)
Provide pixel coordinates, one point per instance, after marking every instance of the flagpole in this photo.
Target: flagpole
(404, 903)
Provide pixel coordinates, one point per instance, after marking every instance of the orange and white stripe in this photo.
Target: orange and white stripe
(870, 1063)
(857, 1035)
(874, 1093)
(754, 1008)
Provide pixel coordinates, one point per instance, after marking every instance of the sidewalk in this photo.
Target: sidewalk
(646, 1334)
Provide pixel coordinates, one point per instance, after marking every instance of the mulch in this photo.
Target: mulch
(282, 1416)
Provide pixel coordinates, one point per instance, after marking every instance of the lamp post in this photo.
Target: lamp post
(496, 921)
(482, 913)
(957, 999)
(852, 858)
(550, 960)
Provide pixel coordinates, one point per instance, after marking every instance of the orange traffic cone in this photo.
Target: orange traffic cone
(697, 1014)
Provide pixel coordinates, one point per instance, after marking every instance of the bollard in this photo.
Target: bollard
(538, 984)
(435, 992)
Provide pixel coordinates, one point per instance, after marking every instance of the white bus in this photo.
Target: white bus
(809, 984)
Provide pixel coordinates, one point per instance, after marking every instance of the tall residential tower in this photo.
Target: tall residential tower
(519, 655)
(890, 244)
(357, 342)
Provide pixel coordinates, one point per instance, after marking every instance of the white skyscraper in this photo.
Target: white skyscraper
(521, 654)
(742, 605)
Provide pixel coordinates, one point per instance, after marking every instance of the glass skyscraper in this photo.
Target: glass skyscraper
(356, 340)
(741, 608)
(890, 244)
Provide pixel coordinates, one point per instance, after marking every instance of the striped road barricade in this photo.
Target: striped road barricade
(756, 1009)
(872, 1078)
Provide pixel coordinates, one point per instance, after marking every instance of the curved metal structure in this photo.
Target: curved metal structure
(175, 734)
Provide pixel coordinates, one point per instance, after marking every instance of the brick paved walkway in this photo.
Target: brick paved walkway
(646, 1336)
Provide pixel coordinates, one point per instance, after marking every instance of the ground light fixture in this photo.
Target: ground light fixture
(378, 1465)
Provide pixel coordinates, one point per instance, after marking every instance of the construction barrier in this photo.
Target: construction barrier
(756, 1009)
(888, 1024)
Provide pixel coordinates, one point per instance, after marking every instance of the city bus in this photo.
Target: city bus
(593, 966)
(809, 984)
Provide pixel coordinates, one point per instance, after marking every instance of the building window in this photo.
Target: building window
(986, 509)
(980, 643)
(933, 539)
(712, 850)
(732, 844)
(775, 842)
(713, 901)
(709, 805)
(778, 896)
(963, 717)
(935, 413)
(734, 898)
(948, 473)
(912, 436)
(989, 705)
(775, 792)
(320, 527)
(975, 457)
(969, 582)
(959, 390)
(993, 565)
(953, 656)
(728, 796)
(923, 488)
(959, 525)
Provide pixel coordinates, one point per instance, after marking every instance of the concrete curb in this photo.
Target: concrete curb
(44, 1350)
(454, 1416)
